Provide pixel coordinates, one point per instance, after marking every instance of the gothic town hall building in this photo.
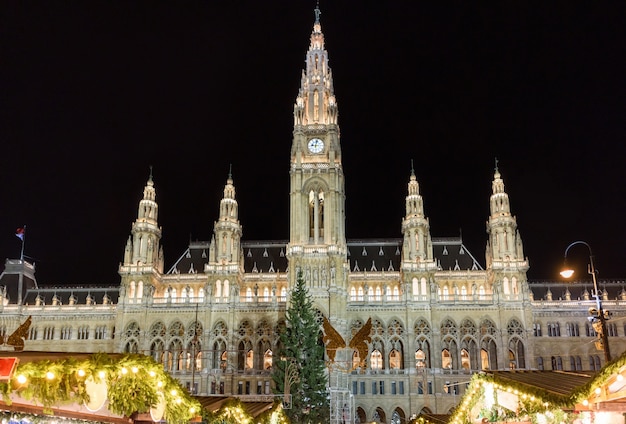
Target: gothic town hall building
(438, 313)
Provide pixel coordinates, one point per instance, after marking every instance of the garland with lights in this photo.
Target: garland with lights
(233, 412)
(531, 401)
(21, 418)
(135, 383)
(614, 367)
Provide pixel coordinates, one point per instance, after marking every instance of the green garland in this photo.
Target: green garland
(134, 385)
(39, 419)
(531, 401)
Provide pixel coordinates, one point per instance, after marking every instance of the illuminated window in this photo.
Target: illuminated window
(376, 360)
(465, 359)
(395, 359)
(249, 359)
(420, 359)
(267, 360)
(446, 359)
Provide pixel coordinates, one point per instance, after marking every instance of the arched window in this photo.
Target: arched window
(396, 293)
(420, 359)
(173, 295)
(267, 359)
(131, 347)
(175, 356)
(489, 354)
(395, 359)
(506, 288)
(517, 357)
(465, 360)
(316, 214)
(250, 359)
(376, 360)
(131, 294)
(157, 350)
(446, 359)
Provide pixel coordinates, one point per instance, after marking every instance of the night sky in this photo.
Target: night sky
(94, 92)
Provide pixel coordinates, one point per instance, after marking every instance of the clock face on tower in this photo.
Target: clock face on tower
(316, 145)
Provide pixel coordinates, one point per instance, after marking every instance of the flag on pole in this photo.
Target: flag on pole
(19, 233)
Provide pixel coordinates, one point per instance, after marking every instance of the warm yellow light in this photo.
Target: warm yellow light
(101, 374)
(585, 402)
(620, 377)
(124, 370)
(173, 392)
(567, 273)
(178, 400)
(81, 373)
(152, 373)
(134, 370)
(50, 375)
(21, 379)
(598, 390)
(160, 384)
(192, 410)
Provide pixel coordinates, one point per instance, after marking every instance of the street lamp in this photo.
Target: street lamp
(598, 315)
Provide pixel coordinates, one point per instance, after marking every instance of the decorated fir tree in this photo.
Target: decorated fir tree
(302, 358)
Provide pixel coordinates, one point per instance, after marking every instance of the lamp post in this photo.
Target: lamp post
(598, 316)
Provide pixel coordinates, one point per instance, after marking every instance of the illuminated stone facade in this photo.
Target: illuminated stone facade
(437, 314)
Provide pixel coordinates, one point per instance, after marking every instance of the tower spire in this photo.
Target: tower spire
(227, 230)
(317, 237)
(316, 103)
(504, 240)
(142, 247)
(415, 227)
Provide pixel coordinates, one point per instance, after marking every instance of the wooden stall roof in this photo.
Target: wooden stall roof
(213, 403)
(561, 383)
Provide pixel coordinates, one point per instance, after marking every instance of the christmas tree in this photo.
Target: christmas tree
(300, 371)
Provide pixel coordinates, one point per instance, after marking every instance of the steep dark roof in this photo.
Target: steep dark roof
(375, 255)
(80, 294)
(615, 289)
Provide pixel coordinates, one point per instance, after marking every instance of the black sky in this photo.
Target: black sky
(95, 92)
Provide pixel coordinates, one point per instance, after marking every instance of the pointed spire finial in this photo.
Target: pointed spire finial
(230, 171)
(317, 12)
(496, 164)
(150, 176)
(412, 168)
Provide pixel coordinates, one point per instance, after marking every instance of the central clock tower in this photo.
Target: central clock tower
(317, 241)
